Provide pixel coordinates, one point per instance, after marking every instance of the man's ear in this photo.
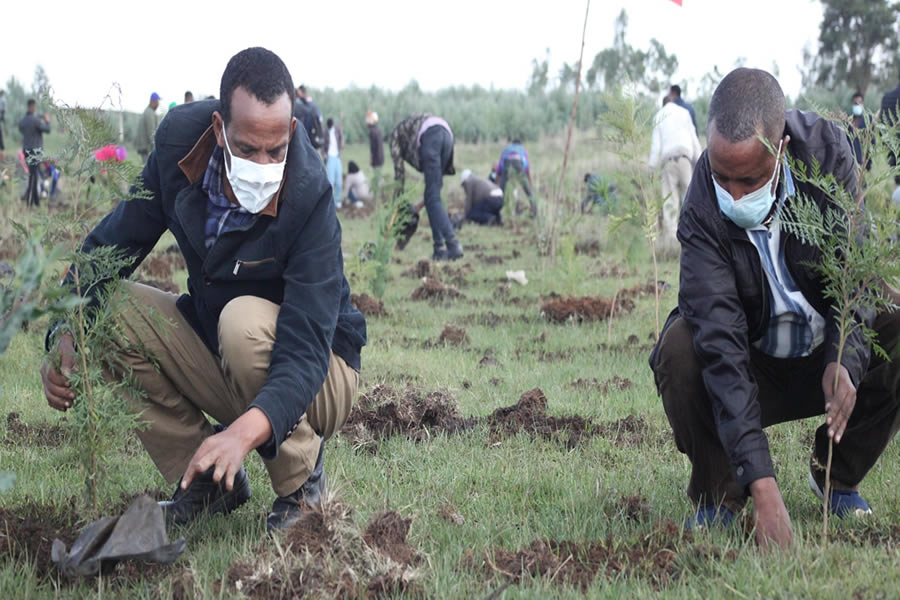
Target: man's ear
(218, 124)
(293, 126)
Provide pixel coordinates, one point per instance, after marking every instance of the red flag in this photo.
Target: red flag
(678, 2)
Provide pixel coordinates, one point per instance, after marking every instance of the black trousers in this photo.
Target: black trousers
(32, 159)
(789, 389)
(486, 211)
(435, 153)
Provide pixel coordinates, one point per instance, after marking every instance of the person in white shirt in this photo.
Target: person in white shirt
(674, 150)
(357, 186)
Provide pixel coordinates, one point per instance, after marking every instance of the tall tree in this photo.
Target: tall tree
(857, 42)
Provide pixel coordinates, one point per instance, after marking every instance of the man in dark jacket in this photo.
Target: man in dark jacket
(266, 341)
(426, 142)
(675, 96)
(33, 129)
(484, 200)
(753, 340)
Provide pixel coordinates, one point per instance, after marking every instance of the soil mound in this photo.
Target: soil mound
(631, 431)
(584, 308)
(384, 412)
(28, 531)
(529, 415)
(453, 336)
(433, 290)
(656, 557)
(19, 433)
(326, 556)
(368, 305)
(421, 269)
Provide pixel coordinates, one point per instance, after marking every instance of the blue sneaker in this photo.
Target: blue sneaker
(710, 515)
(842, 503)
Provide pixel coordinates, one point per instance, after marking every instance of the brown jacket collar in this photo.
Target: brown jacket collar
(194, 165)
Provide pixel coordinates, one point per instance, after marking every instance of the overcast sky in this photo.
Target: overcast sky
(169, 47)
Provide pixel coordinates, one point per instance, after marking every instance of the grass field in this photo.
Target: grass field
(475, 493)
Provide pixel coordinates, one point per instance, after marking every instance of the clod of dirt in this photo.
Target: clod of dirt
(368, 305)
(449, 513)
(28, 531)
(432, 289)
(19, 433)
(656, 557)
(529, 415)
(419, 270)
(615, 383)
(326, 556)
(489, 361)
(454, 336)
(588, 247)
(489, 259)
(387, 533)
(628, 432)
(585, 308)
(636, 508)
(495, 381)
(384, 412)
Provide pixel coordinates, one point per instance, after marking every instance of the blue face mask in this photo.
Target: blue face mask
(752, 209)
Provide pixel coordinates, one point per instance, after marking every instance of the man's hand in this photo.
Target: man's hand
(226, 451)
(838, 405)
(56, 382)
(773, 524)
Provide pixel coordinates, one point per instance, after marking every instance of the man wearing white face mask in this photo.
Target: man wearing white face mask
(752, 342)
(265, 341)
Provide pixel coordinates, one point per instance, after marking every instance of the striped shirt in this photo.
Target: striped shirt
(221, 213)
(795, 327)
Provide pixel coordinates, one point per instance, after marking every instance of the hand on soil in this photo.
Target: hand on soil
(224, 451)
(838, 406)
(773, 524)
(57, 388)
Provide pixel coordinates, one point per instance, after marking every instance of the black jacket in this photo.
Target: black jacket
(889, 115)
(33, 128)
(723, 293)
(376, 146)
(293, 259)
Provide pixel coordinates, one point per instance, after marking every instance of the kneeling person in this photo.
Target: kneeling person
(753, 340)
(484, 199)
(266, 341)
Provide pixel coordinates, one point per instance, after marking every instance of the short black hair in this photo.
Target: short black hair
(188, 93)
(329, 122)
(747, 102)
(858, 94)
(260, 72)
(31, 103)
(516, 140)
(675, 89)
(352, 167)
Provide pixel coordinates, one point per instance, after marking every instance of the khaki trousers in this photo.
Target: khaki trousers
(676, 176)
(182, 380)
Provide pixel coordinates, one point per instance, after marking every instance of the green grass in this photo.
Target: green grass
(510, 493)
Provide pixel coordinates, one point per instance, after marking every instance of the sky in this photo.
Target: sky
(169, 47)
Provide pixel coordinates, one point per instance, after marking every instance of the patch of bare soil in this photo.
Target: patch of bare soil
(631, 431)
(489, 259)
(610, 271)
(529, 415)
(326, 556)
(166, 285)
(657, 557)
(453, 336)
(868, 535)
(449, 513)
(157, 266)
(433, 290)
(496, 381)
(27, 533)
(19, 433)
(350, 211)
(584, 308)
(635, 508)
(489, 361)
(614, 383)
(385, 412)
(368, 305)
(421, 269)
(456, 276)
(486, 319)
(588, 247)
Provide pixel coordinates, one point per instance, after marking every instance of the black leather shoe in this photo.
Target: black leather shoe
(454, 250)
(286, 510)
(205, 495)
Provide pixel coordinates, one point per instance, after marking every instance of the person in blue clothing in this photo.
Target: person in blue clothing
(514, 164)
(858, 122)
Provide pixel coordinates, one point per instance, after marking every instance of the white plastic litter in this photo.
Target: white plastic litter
(517, 276)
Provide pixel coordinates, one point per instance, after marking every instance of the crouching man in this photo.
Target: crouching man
(265, 341)
(753, 340)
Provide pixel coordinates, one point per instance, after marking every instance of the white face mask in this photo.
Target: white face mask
(254, 185)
